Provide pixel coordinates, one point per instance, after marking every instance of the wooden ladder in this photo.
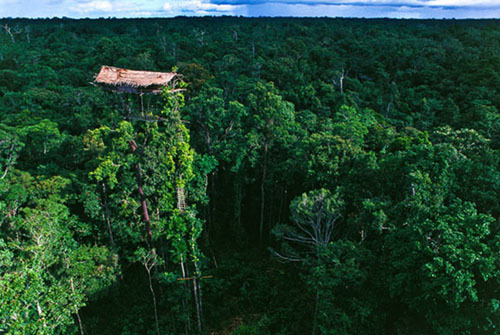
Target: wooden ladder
(181, 199)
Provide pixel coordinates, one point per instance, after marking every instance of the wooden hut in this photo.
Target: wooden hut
(131, 81)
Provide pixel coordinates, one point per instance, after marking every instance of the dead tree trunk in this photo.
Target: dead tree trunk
(341, 80)
(7, 29)
(10, 161)
(340, 83)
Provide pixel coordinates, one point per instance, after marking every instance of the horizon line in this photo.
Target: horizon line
(246, 17)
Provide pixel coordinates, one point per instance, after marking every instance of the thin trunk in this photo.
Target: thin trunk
(237, 204)
(148, 270)
(142, 104)
(282, 201)
(388, 109)
(341, 80)
(163, 43)
(5, 172)
(210, 180)
(187, 326)
(181, 206)
(80, 325)
(201, 300)
(77, 312)
(197, 295)
(9, 161)
(262, 193)
(7, 29)
(184, 303)
(197, 302)
(183, 269)
(270, 212)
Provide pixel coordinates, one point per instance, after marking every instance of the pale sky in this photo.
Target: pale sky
(333, 8)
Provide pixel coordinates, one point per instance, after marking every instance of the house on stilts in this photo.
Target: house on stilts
(134, 82)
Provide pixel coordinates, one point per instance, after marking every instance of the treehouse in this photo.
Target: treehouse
(135, 82)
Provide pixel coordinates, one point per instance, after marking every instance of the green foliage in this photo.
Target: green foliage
(336, 278)
(454, 252)
(379, 137)
(46, 274)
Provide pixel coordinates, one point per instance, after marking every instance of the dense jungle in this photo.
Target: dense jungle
(303, 176)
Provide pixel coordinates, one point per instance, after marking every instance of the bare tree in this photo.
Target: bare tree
(9, 31)
(27, 31)
(315, 216)
(340, 82)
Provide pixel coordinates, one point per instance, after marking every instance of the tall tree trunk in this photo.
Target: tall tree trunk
(197, 302)
(341, 81)
(144, 205)
(197, 295)
(148, 270)
(201, 300)
(263, 193)
(184, 302)
(210, 180)
(181, 206)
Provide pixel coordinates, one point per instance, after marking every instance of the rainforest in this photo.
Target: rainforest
(299, 176)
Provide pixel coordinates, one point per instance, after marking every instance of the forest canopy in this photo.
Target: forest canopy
(301, 176)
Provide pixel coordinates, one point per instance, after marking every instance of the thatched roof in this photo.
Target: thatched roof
(132, 81)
